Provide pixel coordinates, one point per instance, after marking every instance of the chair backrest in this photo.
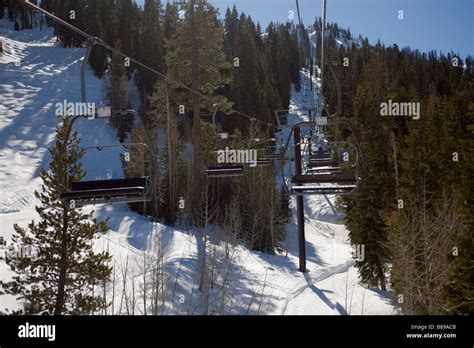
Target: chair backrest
(264, 162)
(325, 178)
(109, 184)
(322, 163)
(225, 171)
(318, 190)
(320, 155)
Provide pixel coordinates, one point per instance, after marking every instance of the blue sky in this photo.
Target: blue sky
(428, 24)
(443, 25)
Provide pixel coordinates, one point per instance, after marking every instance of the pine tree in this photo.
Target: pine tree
(118, 93)
(140, 165)
(93, 21)
(290, 42)
(109, 17)
(152, 45)
(136, 19)
(278, 62)
(195, 56)
(231, 23)
(2, 8)
(245, 92)
(64, 277)
(365, 212)
(95, 24)
(164, 115)
(125, 11)
(170, 20)
(459, 290)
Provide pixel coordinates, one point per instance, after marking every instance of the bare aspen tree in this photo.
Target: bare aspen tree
(263, 291)
(113, 288)
(142, 266)
(161, 112)
(225, 281)
(124, 296)
(191, 297)
(347, 284)
(177, 277)
(132, 298)
(105, 283)
(255, 292)
(363, 301)
(272, 213)
(420, 242)
(157, 276)
(145, 283)
(162, 273)
(205, 212)
(213, 267)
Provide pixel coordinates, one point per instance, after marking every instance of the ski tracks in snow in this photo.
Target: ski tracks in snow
(310, 282)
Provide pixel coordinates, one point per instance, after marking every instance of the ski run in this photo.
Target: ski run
(35, 75)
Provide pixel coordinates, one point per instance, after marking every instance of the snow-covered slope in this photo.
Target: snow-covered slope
(35, 74)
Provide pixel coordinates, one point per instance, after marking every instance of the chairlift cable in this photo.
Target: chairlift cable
(99, 41)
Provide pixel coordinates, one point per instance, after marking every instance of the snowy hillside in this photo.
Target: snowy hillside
(35, 74)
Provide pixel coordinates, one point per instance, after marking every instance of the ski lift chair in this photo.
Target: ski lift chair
(263, 162)
(323, 190)
(127, 190)
(323, 174)
(328, 183)
(322, 163)
(225, 171)
(325, 169)
(338, 178)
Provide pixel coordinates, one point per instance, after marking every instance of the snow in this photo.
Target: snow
(256, 283)
(346, 43)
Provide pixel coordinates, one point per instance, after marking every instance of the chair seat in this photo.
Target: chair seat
(275, 156)
(315, 190)
(319, 156)
(322, 163)
(319, 170)
(262, 162)
(129, 187)
(225, 171)
(117, 192)
(324, 178)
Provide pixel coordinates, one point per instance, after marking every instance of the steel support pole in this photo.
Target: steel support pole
(300, 203)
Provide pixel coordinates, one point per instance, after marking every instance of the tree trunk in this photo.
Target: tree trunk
(171, 161)
(196, 133)
(58, 308)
